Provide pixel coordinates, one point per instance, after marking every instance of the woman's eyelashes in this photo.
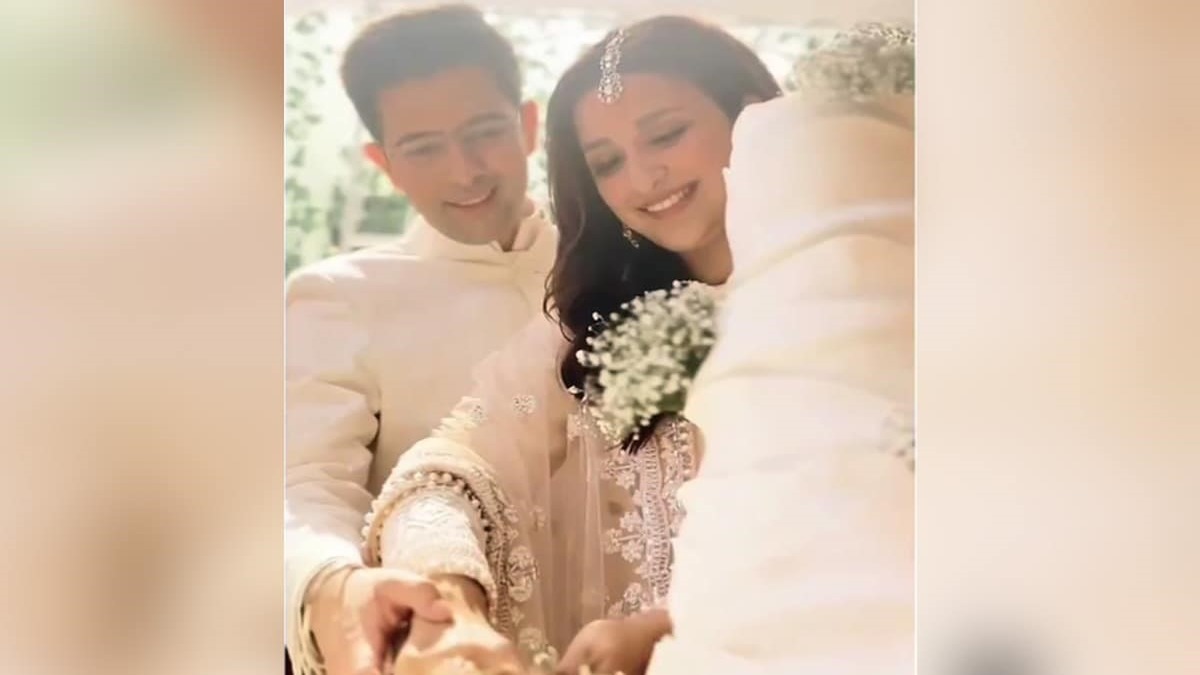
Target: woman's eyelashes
(604, 167)
(669, 138)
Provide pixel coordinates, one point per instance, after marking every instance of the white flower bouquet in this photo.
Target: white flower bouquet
(645, 356)
(858, 64)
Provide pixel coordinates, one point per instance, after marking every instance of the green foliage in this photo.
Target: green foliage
(306, 220)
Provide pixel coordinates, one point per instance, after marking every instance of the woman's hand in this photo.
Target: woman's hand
(357, 611)
(467, 640)
(464, 646)
(616, 645)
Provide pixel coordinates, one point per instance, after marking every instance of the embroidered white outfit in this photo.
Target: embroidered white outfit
(380, 343)
(517, 490)
(797, 554)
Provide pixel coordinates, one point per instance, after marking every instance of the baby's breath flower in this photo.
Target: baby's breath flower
(646, 358)
(861, 63)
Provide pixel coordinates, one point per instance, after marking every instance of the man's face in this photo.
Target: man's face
(457, 147)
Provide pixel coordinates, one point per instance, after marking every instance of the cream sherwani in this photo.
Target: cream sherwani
(380, 344)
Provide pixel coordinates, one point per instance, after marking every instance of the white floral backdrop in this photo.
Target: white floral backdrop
(334, 200)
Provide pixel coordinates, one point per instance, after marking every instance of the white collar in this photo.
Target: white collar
(535, 244)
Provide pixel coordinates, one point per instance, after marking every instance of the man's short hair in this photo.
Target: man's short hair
(419, 43)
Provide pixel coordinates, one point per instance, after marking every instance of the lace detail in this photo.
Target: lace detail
(642, 535)
(467, 415)
(525, 404)
(679, 466)
(539, 518)
(476, 414)
(521, 574)
(436, 531)
(633, 601)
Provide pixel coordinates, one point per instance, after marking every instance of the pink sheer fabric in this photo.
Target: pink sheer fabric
(519, 492)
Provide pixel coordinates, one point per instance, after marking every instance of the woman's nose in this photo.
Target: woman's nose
(647, 177)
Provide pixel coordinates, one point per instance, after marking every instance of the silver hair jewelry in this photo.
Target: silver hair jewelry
(630, 237)
(610, 79)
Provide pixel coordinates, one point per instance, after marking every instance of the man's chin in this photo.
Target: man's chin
(475, 234)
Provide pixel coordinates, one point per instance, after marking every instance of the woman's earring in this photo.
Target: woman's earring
(630, 237)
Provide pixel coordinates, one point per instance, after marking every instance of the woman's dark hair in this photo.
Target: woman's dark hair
(597, 270)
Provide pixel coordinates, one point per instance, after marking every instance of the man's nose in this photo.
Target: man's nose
(465, 166)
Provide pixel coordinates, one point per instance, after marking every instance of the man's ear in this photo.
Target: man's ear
(375, 155)
(529, 125)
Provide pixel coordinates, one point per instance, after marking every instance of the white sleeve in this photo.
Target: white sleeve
(437, 531)
(332, 402)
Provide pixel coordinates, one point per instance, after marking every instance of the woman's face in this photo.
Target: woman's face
(657, 155)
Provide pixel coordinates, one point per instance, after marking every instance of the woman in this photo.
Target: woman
(516, 501)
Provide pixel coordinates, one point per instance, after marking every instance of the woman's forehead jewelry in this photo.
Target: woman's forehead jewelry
(610, 79)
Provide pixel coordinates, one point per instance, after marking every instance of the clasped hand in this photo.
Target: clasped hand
(439, 626)
(358, 615)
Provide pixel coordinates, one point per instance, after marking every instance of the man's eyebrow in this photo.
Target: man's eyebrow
(414, 136)
(482, 118)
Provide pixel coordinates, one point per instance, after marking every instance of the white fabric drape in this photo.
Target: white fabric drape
(797, 553)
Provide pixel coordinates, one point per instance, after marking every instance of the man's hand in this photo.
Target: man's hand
(468, 639)
(616, 645)
(358, 613)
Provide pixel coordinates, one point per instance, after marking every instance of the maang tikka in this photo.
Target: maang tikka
(610, 79)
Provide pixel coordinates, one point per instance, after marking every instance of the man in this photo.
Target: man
(380, 343)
